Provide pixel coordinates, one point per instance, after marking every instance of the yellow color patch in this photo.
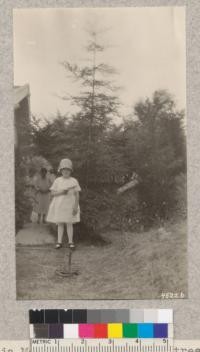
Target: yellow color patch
(115, 331)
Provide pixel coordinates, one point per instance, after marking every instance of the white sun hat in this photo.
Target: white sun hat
(65, 164)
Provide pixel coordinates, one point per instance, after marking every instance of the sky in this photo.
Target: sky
(145, 45)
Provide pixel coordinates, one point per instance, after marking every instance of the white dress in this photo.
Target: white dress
(61, 207)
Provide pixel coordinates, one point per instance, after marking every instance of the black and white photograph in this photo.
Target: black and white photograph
(99, 100)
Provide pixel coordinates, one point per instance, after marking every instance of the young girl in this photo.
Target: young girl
(42, 185)
(64, 207)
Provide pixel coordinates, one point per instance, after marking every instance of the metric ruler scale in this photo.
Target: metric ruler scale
(102, 345)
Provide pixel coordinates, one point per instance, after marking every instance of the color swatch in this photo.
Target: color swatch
(108, 330)
(97, 316)
(101, 323)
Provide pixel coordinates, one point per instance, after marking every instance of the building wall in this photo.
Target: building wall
(22, 124)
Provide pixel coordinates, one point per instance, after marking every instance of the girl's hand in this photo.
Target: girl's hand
(75, 211)
(65, 191)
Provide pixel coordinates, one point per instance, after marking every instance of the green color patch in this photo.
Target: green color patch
(130, 330)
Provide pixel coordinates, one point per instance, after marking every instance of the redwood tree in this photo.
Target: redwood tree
(98, 105)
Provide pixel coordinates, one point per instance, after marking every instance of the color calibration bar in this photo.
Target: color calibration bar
(96, 316)
(103, 331)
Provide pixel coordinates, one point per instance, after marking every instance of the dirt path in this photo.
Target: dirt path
(142, 266)
(34, 235)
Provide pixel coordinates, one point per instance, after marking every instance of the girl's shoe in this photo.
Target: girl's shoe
(58, 246)
(71, 245)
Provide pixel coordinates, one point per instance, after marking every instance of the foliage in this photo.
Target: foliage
(22, 201)
(35, 163)
(93, 204)
(151, 144)
(155, 150)
(23, 150)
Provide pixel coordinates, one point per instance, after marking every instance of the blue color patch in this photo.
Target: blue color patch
(160, 330)
(145, 331)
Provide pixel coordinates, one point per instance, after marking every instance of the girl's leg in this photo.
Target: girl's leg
(60, 232)
(70, 232)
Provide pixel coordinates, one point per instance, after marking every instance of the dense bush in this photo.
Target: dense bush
(93, 203)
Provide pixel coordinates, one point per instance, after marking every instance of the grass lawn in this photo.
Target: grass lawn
(139, 266)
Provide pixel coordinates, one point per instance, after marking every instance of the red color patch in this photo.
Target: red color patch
(101, 331)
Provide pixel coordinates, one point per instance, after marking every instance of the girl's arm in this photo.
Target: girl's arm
(58, 193)
(61, 192)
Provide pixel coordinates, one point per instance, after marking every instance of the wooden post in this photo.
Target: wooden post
(66, 270)
(70, 260)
